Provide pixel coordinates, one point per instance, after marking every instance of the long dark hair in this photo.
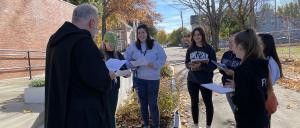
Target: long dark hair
(105, 56)
(250, 43)
(201, 31)
(149, 41)
(270, 49)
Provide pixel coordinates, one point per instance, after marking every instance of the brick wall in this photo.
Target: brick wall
(27, 25)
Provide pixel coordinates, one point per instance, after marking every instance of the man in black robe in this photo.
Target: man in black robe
(77, 80)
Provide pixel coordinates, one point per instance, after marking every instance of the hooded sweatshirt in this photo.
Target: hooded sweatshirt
(77, 81)
(156, 56)
(231, 62)
(251, 93)
(205, 74)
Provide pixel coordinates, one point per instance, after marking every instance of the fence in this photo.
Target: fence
(8, 56)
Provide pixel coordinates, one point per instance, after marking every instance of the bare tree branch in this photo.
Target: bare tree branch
(213, 10)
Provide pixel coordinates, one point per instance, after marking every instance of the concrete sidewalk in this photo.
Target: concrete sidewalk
(287, 115)
(14, 113)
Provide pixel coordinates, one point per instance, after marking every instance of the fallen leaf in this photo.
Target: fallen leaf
(289, 106)
(27, 111)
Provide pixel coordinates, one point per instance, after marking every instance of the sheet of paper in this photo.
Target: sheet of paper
(123, 72)
(217, 88)
(114, 64)
(139, 62)
(219, 65)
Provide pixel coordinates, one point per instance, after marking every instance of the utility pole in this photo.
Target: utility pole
(275, 13)
(289, 32)
(181, 20)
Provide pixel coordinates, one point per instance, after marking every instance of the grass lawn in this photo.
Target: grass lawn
(283, 52)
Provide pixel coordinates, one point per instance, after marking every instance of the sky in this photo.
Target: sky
(171, 14)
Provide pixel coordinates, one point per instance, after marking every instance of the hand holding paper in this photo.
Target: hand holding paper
(114, 64)
(195, 66)
(123, 72)
(139, 62)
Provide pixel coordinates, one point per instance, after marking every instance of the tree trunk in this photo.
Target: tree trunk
(215, 40)
(252, 15)
(215, 29)
(104, 16)
(103, 31)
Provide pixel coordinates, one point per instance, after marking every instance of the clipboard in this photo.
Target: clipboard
(199, 60)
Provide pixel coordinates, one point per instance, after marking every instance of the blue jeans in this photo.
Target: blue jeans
(147, 91)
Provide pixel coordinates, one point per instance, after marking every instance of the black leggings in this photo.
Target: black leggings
(193, 89)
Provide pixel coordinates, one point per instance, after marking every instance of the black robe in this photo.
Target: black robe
(77, 81)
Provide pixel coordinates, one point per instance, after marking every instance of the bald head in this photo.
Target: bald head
(85, 16)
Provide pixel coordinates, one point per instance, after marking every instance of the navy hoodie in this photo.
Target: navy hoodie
(231, 62)
(205, 74)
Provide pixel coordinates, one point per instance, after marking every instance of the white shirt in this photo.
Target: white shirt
(274, 70)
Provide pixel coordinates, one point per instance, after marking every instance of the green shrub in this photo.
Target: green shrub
(37, 83)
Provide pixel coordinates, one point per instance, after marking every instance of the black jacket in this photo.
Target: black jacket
(205, 74)
(231, 62)
(77, 81)
(251, 93)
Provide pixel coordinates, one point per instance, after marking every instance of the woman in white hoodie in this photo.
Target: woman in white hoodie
(147, 57)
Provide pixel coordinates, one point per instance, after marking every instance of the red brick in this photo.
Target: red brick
(27, 25)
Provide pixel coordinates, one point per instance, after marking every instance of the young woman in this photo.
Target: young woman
(270, 53)
(230, 60)
(198, 61)
(251, 81)
(109, 49)
(148, 57)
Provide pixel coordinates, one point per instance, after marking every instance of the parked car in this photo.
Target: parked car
(282, 40)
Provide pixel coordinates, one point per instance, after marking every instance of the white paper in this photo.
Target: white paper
(139, 62)
(219, 65)
(123, 72)
(199, 60)
(114, 64)
(217, 88)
